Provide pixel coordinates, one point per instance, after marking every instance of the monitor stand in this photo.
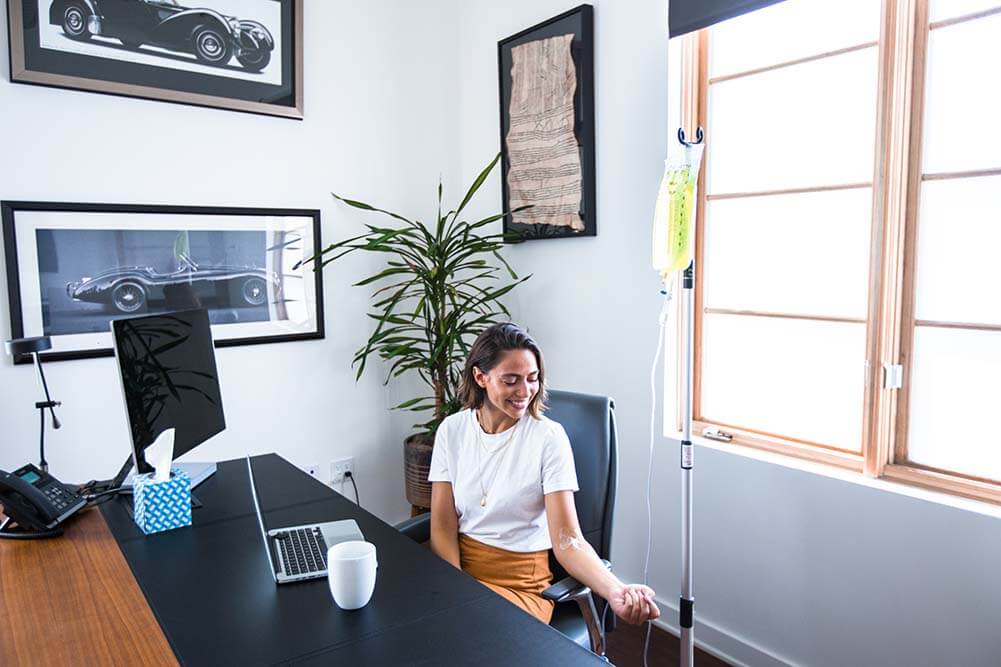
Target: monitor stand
(197, 472)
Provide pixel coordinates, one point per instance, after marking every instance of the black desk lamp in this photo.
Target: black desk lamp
(33, 346)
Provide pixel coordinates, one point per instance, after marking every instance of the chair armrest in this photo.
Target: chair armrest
(565, 589)
(569, 588)
(418, 528)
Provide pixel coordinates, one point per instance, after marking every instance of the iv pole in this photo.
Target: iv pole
(686, 607)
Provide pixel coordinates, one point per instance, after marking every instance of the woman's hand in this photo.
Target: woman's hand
(634, 604)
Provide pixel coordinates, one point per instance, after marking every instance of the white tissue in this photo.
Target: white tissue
(161, 454)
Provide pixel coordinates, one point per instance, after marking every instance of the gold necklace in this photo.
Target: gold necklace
(484, 491)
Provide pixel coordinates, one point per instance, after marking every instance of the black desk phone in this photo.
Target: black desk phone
(36, 501)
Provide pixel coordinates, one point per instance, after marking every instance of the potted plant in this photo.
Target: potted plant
(438, 291)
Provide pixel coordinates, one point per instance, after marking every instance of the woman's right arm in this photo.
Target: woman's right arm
(444, 524)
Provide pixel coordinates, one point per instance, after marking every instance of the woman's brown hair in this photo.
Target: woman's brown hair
(486, 353)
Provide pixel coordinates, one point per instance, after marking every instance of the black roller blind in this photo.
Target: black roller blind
(688, 15)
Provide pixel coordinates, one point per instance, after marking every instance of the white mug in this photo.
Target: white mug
(351, 570)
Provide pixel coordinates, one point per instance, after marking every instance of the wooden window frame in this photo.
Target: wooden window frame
(890, 323)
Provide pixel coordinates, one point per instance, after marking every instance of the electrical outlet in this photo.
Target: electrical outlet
(340, 466)
(313, 469)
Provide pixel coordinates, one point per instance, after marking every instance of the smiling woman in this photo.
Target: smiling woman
(503, 479)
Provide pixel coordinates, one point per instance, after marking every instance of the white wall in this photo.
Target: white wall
(379, 126)
(791, 566)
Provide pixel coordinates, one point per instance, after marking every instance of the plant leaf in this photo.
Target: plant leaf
(477, 183)
(366, 207)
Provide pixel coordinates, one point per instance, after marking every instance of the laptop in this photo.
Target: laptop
(299, 553)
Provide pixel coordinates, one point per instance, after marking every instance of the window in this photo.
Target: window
(847, 306)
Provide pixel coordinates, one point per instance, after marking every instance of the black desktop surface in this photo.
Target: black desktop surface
(481, 632)
(213, 595)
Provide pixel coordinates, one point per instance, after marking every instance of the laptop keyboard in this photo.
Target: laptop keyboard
(303, 550)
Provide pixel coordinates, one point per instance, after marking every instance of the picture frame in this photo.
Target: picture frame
(73, 268)
(241, 55)
(546, 83)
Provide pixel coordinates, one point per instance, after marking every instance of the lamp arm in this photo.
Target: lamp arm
(45, 388)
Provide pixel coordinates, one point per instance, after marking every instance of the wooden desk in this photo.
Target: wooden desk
(72, 600)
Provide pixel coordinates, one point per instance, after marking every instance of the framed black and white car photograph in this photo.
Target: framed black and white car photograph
(73, 268)
(244, 55)
(547, 128)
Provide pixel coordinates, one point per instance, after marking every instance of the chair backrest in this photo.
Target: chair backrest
(590, 423)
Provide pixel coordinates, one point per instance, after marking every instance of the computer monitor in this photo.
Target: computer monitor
(168, 373)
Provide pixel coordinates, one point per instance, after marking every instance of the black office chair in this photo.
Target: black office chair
(590, 423)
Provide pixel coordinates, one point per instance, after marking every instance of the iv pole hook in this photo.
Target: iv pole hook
(699, 137)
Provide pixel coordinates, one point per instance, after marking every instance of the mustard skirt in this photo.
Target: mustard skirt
(517, 576)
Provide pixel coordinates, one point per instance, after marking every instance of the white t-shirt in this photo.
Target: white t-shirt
(537, 460)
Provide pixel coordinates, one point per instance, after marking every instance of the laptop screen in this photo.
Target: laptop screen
(260, 519)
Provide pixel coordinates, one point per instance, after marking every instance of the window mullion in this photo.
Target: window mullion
(918, 50)
(891, 309)
(874, 447)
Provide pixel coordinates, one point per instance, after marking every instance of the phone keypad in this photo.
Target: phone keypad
(59, 496)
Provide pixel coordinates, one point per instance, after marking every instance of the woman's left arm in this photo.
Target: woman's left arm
(633, 603)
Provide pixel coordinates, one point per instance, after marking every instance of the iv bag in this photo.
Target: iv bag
(674, 216)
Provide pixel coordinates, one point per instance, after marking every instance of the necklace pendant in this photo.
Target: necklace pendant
(483, 501)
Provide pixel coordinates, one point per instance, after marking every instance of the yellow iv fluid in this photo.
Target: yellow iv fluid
(672, 233)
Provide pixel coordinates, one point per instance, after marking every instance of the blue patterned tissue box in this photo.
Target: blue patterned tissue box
(160, 506)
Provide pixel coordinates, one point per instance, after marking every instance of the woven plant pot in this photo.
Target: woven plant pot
(416, 465)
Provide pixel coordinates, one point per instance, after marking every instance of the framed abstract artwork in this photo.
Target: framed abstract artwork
(73, 268)
(547, 128)
(244, 55)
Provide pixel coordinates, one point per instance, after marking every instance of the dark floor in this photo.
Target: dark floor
(625, 648)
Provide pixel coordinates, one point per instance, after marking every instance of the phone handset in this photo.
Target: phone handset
(36, 501)
(31, 498)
